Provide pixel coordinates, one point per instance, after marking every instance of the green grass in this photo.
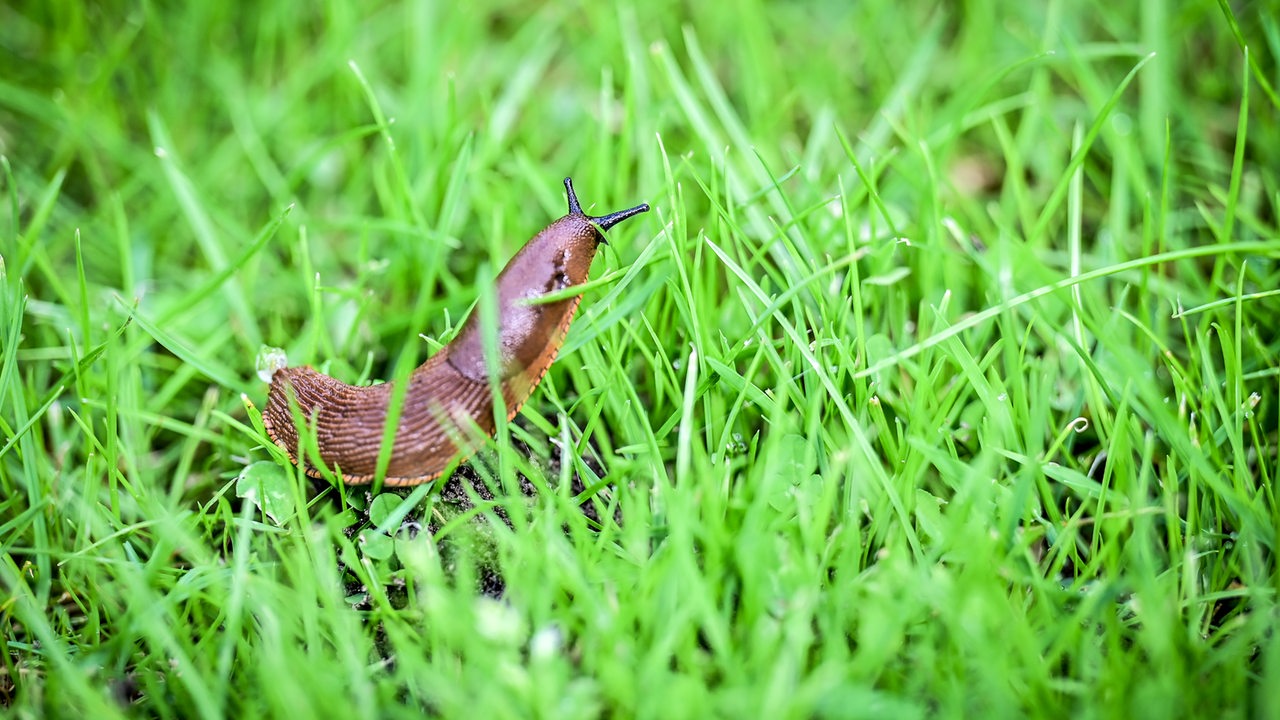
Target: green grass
(942, 379)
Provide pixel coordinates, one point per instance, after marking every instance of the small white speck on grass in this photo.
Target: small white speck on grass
(736, 446)
(835, 207)
(545, 643)
(161, 152)
(953, 228)
(269, 360)
(837, 281)
(1004, 278)
(498, 622)
(889, 278)
(329, 170)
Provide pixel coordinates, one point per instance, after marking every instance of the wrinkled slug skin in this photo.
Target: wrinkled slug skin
(448, 406)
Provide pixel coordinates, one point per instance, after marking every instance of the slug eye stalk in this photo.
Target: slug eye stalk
(449, 396)
(604, 222)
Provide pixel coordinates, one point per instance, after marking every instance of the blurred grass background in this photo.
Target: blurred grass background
(941, 380)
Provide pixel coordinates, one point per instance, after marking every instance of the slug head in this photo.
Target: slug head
(604, 222)
(531, 332)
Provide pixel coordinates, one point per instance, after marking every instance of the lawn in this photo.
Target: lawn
(942, 379)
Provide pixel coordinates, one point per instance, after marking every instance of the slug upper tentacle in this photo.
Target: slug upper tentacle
(448, 406)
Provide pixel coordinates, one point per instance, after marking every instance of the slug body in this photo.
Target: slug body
(448, 407)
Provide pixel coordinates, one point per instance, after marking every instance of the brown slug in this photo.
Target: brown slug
(449, 401)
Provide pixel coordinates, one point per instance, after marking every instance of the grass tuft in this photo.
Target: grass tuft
(942, 379)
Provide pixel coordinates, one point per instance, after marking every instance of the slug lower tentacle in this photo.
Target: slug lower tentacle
(448, 406)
